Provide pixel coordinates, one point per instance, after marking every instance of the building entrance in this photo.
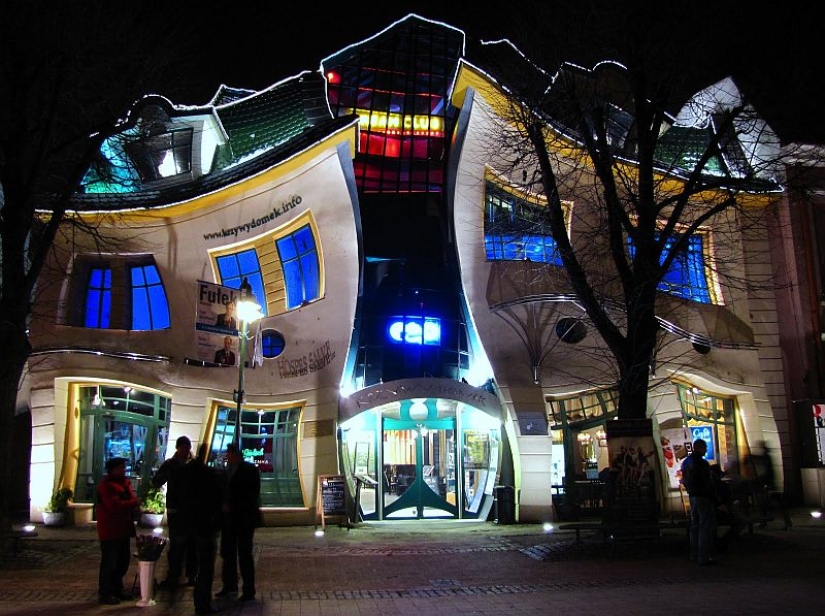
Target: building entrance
(421, 459)
(420, 469)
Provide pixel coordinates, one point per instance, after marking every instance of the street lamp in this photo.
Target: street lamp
(248, 311)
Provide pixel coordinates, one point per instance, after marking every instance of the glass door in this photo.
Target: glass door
(419, 469)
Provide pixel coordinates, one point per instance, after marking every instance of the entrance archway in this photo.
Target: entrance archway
(422, 458)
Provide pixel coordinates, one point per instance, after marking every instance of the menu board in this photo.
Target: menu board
(332, 490)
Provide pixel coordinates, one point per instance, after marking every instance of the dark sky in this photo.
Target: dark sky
(253, 44)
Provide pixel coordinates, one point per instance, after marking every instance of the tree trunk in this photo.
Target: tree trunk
(16, 350)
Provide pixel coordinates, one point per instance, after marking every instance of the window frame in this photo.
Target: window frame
(131, 266)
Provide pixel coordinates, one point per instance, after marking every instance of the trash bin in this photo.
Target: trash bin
(505, 502)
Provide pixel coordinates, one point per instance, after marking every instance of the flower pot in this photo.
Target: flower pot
(54, 518)
(150, 520)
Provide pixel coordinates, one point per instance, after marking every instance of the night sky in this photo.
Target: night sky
(254, 44)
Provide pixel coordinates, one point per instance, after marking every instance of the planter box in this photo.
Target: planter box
(54, 518)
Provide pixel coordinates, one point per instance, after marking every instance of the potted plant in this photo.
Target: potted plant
(54, 513)
(152, 506)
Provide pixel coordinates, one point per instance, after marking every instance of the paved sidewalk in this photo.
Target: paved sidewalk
(436, 567)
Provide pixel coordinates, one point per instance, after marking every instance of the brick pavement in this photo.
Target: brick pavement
(454, 568)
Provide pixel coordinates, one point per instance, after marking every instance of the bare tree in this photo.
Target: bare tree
(68, 73)
(644, 133)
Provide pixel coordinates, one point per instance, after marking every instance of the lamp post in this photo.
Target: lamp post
(248, 311)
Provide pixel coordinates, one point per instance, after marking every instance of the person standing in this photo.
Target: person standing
(698, 482)
(116, 504)
(181, 539)
(242, 515)
(201, 510)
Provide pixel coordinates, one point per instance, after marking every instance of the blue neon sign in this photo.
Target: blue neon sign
(415, 330)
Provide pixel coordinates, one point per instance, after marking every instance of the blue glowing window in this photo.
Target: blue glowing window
(415, 330)
(98, 306)
(150, 309)
(688, 276)
(244, 264)
(302, 272)
(272, 343)
(515, 229)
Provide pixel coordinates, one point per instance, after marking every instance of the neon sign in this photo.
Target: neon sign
(415, 330)
(400, 124)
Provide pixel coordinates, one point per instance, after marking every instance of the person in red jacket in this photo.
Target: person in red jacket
(116, 502)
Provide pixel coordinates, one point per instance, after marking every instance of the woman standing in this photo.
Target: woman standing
(115, 529)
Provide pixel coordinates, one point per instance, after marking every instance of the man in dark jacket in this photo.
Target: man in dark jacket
(242, 514)
(181, 541)
(698, 482)
(201, 509)
(116, 502)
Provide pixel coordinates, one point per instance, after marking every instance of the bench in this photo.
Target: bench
(15, 536)
(632, 529)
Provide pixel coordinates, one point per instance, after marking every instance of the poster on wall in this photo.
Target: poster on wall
(216, 324)
(631, 485)
(676, 446)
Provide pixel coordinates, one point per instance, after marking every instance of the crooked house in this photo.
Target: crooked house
(416, 337)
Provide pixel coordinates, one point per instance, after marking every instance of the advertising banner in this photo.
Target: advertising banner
(676, 446)
(216, 324)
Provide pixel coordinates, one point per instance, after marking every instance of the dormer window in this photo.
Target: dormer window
(162, 155)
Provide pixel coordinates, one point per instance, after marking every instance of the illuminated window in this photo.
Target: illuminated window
(299, 259)
(163, 155)
(688, 274)
(272, 343)
(415, 330)
(150, 309)
(399, 85)
(233, 268)
(98, 305)
(269, 440)
(712, 418)
(515, 229)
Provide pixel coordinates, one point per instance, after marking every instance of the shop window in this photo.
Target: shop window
(688, 277)
(269, 439)
(515, 229)
(299, 259)
(272, 343)
(120, 421)
(234, 267)
(712, 418)
(98, 305)
(150, 308)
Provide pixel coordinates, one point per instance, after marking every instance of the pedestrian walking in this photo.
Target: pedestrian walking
(242, 515)
(116, 507)
(181, 540)
(201, 505)
(698, 482)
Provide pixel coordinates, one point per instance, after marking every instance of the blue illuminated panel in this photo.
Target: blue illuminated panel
(415, 330)
(687, 277)
(235, 267)
(98, 298)
(150, 309)
(299, 259)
